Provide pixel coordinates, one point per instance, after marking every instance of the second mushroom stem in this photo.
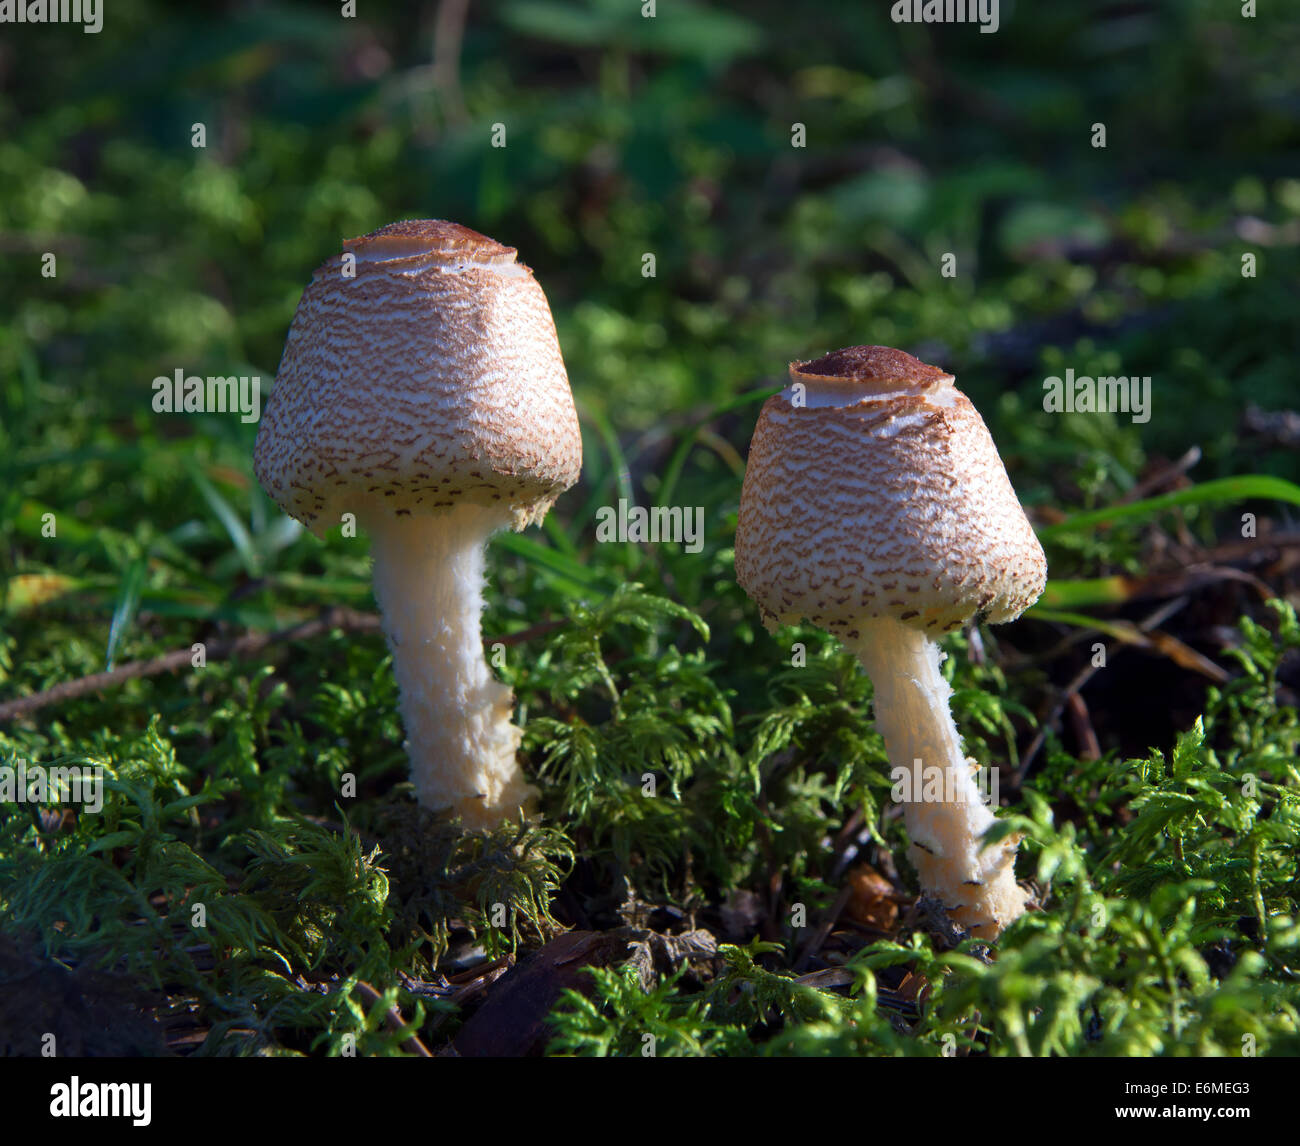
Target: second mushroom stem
(428, 580)
(944, 814)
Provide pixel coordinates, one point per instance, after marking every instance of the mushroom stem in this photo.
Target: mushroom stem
(944, 811)
(428, 579)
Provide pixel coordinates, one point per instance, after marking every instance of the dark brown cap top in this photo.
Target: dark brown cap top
(880, 367)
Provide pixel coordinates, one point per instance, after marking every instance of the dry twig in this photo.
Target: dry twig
(224, 648)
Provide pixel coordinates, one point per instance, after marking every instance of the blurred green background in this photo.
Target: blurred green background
(671, 136)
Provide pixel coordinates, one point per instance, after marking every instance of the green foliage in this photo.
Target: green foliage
(655, 724)
(498, 884)
(1175, 938)
(1167, 932)
(747, 994)
(1167, 871)
(627, 1020)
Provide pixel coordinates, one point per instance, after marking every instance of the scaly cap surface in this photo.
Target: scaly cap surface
(431, 378)
(883, 496)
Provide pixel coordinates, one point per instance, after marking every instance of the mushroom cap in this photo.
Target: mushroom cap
(421, 369)
(882, 496)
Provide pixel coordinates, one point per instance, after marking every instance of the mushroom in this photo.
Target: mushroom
(422, 391)
(875, 505)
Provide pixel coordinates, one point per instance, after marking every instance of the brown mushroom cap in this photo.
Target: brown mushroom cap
(431, 377)
(883, 496)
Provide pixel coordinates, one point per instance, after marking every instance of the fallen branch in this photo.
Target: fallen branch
(225, 648)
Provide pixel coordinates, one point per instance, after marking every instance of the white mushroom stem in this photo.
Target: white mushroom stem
(944, 812)
(428, 579)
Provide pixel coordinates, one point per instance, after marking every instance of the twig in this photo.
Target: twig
(824, 928)
(348, 620)
(1166, 475)
(1084, 733)
(483, 978)
(1265, 547)
(220, 649)
(392, 1020)
(830, 977)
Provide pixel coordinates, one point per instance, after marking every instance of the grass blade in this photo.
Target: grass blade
(235, 528)
(128, 604)
(544, 557)
(1208, 493)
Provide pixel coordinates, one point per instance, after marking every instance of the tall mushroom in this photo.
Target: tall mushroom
(875, 505)
(422, 391)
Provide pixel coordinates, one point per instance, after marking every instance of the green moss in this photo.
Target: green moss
(259, 869)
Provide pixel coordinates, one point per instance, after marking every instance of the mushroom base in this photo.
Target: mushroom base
(945, 814)
(428, 579)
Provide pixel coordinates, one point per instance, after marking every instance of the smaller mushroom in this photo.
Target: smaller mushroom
(422, 390)
(875, 506)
